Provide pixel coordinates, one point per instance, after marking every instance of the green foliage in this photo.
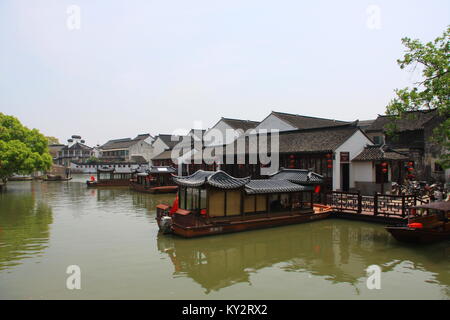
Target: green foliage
(22, 150)
(52, 140)
(433, 92)
(92, 160)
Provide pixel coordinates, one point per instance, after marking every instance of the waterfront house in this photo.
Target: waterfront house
(410, 135)
(75, 150)
(123, 150)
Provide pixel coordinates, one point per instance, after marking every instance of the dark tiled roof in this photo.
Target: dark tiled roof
(162, 169)
(273, 186)
(304, 122)
(77, 146)
(167, 139)
(377, 153)
(317, 140)
(118, 144)
(217, 179)
(414, 120)
(142, 136)
(298, 176)
(240, 124)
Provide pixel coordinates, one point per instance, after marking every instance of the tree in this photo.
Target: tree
(52, 140)
(22, 150)
(432, 92)
(92, 160)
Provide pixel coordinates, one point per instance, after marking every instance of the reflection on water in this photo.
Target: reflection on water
(340, 251)
(24, 227)
(111, 233)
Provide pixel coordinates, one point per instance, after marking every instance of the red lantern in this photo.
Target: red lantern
(384, 170)
(329, 161)
(384, 164)
(328, 155)
(316, 189)
(411, 164)
(329, 166)
(410, 169)
(291, 156)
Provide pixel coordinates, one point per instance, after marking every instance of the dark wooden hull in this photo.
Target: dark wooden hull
(62, 179)
(20, 179)
(245, 225)
(108, 183)
(423, 236)
(163, 189)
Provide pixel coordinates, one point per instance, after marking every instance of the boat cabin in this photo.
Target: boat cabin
(158, 179)
(107, 176)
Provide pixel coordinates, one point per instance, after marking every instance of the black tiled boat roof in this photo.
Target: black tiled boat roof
(298, 176)
(217, 179)
(374, 153)
(262, 186)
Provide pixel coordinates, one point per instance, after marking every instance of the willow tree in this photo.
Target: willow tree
(22, 150)
(432, 92)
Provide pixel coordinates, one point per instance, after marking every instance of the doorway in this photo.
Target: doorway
(345, 177)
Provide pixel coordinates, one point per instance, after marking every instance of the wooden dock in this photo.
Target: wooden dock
(381, 208)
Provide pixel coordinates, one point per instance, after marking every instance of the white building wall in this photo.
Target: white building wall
(354, 145)
(220, 134)
(273, 122)
(363, 171)
(158, 147)
(141, 148)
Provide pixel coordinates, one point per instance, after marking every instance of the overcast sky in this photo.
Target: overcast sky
(155, 66)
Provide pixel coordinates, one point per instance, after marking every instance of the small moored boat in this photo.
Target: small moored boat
(211, 203)
(158, 179)
(427, 223)
(52, 177)
(108, 177)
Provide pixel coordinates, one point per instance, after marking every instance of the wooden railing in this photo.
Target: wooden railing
(378, 204)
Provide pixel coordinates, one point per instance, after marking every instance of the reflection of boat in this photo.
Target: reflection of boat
(51, 177)
(157, 179)
(429, 223)
(108, 177)
(215, 202)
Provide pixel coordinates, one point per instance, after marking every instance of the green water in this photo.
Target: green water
(111, 234)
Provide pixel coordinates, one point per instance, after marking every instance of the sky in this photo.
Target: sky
(109, 69)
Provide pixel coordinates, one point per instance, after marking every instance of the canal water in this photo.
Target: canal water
(111, 234)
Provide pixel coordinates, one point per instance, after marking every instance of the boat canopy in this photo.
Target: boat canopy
(262, 186)
(217, 179)
(299, 176)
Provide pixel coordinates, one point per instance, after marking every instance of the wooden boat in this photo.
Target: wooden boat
(427, 223)
(108, 177)
(158, 179)
(51, 177)
(211, 203)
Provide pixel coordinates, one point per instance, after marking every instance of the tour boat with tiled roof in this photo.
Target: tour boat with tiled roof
(213, 202)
